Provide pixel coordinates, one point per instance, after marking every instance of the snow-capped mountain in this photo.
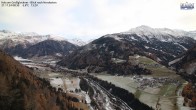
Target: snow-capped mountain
(25, 44)
(161, 45)
(49, 48)
(19, 38)
(163, 34)
(77, 41)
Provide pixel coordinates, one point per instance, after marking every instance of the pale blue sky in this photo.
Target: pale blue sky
(89, 19)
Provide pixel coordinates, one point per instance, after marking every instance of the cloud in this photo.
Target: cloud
(88, 18)
(44, 19)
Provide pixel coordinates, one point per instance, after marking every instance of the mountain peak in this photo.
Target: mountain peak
(77, 41)
(144, 30)
(54, 37)
(28, 34)
(5, 31)
(144, 27)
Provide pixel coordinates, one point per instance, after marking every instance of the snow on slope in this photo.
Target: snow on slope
(77, 41)
(181, 46)
(176, 60)
(163, 34)
(32, 38)
(6, 34)
(113, 36)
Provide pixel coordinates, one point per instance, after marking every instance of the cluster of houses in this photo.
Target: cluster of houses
(153, 82)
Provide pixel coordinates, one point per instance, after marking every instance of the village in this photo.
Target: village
(144, 82)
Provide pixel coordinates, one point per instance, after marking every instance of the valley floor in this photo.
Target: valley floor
(162, 97)
(69, 82)
(162, 93)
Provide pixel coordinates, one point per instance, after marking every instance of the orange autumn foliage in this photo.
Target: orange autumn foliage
(189, 93)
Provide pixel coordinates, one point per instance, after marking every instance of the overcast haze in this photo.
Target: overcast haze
(93, 18)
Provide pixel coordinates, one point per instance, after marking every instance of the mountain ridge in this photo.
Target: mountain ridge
(148, 31)
(99, 52)
(49, 47)
(23, 44)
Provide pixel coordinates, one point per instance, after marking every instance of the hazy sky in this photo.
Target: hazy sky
(93, 18)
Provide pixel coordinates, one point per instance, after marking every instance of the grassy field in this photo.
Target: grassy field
(158, 70)
(165, 94)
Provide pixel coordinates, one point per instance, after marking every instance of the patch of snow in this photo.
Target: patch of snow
(163, 40)
(72, 84)
(53, 74)
(24, 38)
(113, 36)
(136, 56)
(87, 98)
(58, 54)
(77, 41)
(54, 37)
(116, 60)
(181, 46)
(174, 56)
(154, 48)
(133, 38)
(56, 81)
(158, 59)
(21, 59)
(176, 60)
(163, 34)
(146, 47)
(28, 34)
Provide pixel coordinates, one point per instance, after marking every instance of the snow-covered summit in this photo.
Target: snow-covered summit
(28, 34)
(5, 31)
(27, 37)
(159, 32)
(77, 41)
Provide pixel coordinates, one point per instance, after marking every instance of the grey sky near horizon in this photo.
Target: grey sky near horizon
(89, 19)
